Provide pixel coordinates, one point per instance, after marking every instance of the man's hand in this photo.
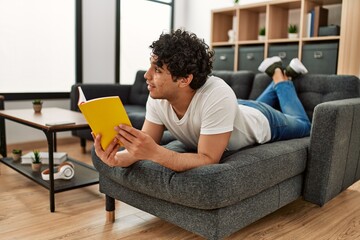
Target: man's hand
(107, 155)
(138, 144)
(132, 140)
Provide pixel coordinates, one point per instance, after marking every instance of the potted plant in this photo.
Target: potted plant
(261, 35)
(236, 1)
(16, 154)
(292, 31)
(37, 105)
(36, 162)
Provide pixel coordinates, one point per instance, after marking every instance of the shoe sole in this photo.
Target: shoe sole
(268, 62)
(298, 67)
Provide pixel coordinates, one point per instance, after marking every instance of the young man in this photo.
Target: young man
(203, 112)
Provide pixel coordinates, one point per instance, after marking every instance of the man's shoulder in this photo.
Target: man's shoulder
(214, 82)
(215, 79)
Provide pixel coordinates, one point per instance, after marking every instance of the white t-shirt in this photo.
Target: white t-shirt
(213, 110)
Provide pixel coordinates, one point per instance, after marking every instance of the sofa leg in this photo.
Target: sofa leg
(110, 217)
(110, 209)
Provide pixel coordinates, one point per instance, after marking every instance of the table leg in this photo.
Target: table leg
(50, 140)
(2, 137)
(2, 130)
(55, 143)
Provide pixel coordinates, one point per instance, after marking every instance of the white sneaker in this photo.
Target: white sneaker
(297, 66)
(268, 62)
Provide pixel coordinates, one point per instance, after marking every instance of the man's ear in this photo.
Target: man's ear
(185, 81)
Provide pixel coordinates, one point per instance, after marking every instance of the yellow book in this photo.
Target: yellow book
(102, 115)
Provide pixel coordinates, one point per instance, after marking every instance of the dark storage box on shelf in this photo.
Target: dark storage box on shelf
(332, 30)
(320, 57)
(250, 58)
(224, 58)
(285, 52)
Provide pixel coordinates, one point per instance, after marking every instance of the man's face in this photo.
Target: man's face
(160, 81)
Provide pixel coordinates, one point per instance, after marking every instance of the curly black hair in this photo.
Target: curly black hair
(184, 53)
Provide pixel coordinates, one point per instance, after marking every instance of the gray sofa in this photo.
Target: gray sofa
(217, 200)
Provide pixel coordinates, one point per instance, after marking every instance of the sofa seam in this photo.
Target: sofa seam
(347, 155)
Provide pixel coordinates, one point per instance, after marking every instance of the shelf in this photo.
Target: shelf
(327, 38)
(284, 40)
(250, 21)
(223, 44)
(277, 15)
(250, 42)
(222, 22)
(85, 175)
(286, 4)
(281, 15)
(328, 2)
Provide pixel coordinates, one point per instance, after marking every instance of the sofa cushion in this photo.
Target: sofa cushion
(313, 89)
(240, 81)
(239, 176)
(261, 81)
(139, 92)
(137, 119)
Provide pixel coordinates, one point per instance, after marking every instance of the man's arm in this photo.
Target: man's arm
(210, 150)
(140, 145)
(112, 157)
(155, 131)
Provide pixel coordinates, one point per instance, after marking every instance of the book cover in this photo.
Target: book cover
(59, 157)
(102, 115)
(312, 23)
(308, 26)
(320, 19)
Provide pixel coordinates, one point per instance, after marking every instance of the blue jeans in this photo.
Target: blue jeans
(292, 121)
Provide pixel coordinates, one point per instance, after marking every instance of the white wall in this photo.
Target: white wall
(98, 65)
(99, 41)
(99, 50)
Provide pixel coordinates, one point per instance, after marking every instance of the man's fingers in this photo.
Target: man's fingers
(123, 135)
(111, 146)
(98, 148)
(109, 151)
(130, 130)
(113, 153)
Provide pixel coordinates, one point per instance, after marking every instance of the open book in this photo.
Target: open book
(102, 115)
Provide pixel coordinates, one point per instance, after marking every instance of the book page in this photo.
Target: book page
(82, 98)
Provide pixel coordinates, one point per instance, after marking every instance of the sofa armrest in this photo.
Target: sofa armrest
(333, 163)
(99, 90)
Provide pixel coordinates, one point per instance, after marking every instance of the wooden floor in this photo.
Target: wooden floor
(80, 214)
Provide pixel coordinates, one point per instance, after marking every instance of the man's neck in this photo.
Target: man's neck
(181, 104)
